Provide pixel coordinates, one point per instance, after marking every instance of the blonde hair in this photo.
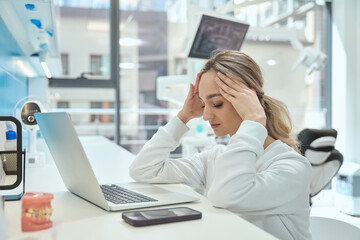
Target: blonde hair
(245, 69)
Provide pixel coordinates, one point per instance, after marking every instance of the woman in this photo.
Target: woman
(259, 175)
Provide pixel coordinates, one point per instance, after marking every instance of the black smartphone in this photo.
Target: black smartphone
(158, 216)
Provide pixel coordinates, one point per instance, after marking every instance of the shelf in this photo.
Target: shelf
(34, 31)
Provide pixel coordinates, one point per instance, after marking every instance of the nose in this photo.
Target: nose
(207, 114)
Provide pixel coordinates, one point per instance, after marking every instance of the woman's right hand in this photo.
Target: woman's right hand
(193, 107)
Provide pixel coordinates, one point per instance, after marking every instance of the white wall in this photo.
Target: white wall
(346, 76)
(280, 82)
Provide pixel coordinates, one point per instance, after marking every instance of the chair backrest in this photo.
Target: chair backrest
(318, 146)
(331, 229)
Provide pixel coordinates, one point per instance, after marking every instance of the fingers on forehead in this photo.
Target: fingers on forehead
(237, 80)
(198, 78)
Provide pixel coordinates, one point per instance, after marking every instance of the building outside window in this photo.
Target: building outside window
(63, 104)
(95, 117)
(95, 64)
(65, 63)
(101, 116)
(99, 65)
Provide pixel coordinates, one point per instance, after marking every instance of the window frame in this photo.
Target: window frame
(114, 81)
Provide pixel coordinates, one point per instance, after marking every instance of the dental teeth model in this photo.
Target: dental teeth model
(36, 211)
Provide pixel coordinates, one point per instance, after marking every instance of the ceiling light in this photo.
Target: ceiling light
(98, 26)
(271, 62)
(46, 69)
(127, 65)
(130, 42)
(43, 57)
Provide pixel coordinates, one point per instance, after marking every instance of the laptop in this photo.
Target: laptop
(79, 178)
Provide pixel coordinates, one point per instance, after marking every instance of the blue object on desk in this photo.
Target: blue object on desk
(13, 162)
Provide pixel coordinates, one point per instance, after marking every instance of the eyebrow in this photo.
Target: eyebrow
(213, 95)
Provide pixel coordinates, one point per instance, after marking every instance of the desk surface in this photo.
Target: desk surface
(324, 206)
(75, 218)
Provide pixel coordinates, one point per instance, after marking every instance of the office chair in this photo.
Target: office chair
(318, 146)
(331, 229)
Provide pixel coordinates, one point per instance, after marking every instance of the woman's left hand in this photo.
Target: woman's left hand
(243, 99)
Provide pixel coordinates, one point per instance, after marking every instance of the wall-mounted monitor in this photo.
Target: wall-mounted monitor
(216, 32)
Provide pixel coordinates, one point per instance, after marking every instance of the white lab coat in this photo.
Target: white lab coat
(269, 188)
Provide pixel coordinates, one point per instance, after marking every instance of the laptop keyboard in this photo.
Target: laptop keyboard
(119, 195)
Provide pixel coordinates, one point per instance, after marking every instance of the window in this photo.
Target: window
(153, 42)
(65, 63)
(63, 104)
(99, 65)
(95, 64)
(164, 54)
(84, 29)
(84, 41)
(95, 117)
(99, 112)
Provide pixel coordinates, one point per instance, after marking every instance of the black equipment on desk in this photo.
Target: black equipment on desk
(12, 169)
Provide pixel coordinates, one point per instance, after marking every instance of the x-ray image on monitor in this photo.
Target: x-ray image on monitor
(217, 33)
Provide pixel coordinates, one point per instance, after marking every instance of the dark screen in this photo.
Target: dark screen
(161, 213)
(216, 33)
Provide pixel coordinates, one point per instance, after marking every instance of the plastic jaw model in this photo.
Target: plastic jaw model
(36, 211)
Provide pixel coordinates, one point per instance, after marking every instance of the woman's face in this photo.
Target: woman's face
(220, 113)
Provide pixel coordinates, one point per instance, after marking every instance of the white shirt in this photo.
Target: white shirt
(269, 188)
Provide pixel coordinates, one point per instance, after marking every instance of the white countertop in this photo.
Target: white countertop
(324, 206)
(75, 218)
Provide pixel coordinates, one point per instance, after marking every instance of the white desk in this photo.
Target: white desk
(323, 206)
(75, 218)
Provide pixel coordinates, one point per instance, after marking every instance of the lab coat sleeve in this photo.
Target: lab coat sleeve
(152, 164)
(238, 187)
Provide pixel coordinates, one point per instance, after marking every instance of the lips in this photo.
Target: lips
(215, 125)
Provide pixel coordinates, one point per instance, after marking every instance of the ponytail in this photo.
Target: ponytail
(278, 121)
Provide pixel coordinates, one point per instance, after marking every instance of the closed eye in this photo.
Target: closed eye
(218, 105)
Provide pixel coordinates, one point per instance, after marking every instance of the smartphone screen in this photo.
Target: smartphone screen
(157, 216)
